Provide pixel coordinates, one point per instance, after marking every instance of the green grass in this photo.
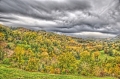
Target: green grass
(103, 56)
(14, 73)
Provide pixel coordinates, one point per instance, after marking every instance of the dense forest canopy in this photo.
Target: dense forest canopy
(48, 52)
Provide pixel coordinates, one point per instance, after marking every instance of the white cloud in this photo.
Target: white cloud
(92, 34)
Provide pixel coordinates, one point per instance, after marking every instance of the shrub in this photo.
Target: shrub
(1, 55)
(6, 61)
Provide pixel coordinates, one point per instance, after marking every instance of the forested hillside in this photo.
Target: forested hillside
(47, 52)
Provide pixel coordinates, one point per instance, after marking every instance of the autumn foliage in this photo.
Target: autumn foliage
(47, 52)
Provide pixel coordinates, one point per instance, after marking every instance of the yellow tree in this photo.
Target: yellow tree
(95, 55)
(85, 55)
(1, 36)
(84, 66)
(67, 62)
(18, 54)
(2, 45)
(32, 65)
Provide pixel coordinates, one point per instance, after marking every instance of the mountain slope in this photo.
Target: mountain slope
(47, 52)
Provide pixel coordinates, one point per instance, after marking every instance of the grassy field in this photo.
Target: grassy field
(13, 73)
(103, 56)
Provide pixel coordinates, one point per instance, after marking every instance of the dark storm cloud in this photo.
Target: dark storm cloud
(11, 18)
(2, 20)
(82, 28)
(63, 16)
(40, 9)
(21, 7)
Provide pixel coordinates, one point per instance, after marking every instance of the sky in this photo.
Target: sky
(78, 18)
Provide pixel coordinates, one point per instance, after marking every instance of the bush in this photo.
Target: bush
(6, 61)
(10, 46)
(1, 55)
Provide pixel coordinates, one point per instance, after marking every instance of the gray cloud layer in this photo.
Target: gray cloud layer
(70, 17)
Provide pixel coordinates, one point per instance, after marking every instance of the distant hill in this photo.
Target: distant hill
(116, 38)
